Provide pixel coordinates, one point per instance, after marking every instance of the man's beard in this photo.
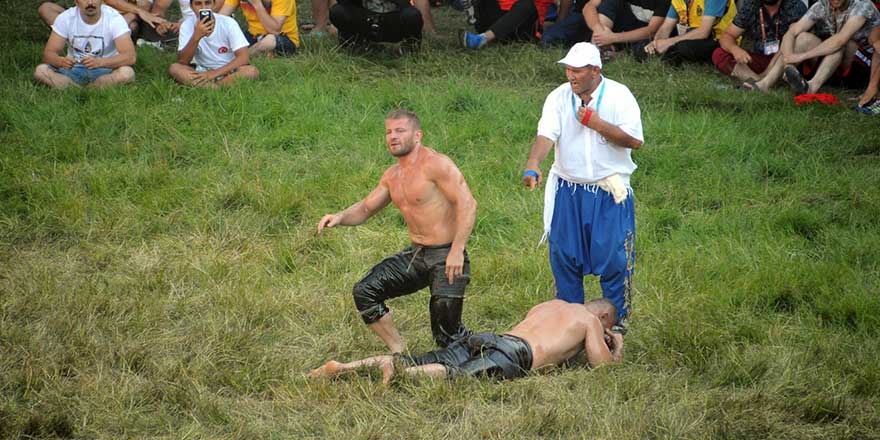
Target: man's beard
(406, 147)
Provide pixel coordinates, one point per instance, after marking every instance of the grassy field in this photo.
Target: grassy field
(159, 277)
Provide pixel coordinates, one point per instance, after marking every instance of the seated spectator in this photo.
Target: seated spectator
(99, 48)
(48, 11)
(763, 22)
(272, 27)
(609, 22)
(698, 24)
(846, 25)
(361, 22)
(160, 9)
(505, 20)
(217, 47)
(869, 102)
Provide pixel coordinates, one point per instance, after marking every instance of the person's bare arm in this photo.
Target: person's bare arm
(540, 149)
(597, 350)
(610, 131)
(202, 27)
(701, 33)
(642, 33)
(833, 44)
(272, 23)
(226, 10)
(728, 43)
(787, 45)
(127, 56)
(52, 50)
(127, 8)
(591, 15)
(360, 211)
(450, 182)
(665, 29)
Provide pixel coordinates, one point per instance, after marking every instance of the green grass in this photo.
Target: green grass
(159, 276)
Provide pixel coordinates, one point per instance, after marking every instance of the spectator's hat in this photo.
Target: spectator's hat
(581, 55)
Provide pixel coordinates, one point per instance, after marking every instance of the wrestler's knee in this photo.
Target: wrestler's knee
(368, 300)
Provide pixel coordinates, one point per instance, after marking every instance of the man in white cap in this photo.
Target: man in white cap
(589, 214)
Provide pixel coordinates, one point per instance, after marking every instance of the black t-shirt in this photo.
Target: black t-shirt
(658, 7)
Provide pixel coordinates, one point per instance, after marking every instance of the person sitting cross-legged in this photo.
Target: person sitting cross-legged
(505, 20)
(849, 22)
(763, 22)
(551, 333)
(272, 27)
(217, 47)
(99, 50)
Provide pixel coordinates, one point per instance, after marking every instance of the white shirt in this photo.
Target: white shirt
(94, 40)
(582, 155)
(185, 10)
(215, 50)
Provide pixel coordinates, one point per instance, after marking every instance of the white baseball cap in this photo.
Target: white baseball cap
(582, 54)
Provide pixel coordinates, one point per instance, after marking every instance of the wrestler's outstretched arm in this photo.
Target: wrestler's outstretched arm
(358, 213)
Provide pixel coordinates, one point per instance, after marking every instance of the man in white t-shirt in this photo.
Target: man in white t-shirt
(131, 12)
(99, 49)
(212, 49)
(589, 215)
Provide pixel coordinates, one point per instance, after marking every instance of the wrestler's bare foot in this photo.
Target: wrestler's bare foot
(387, 371)
(329, 369)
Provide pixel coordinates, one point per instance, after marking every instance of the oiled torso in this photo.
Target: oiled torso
(428, 214)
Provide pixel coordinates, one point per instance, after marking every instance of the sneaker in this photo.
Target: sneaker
(472, 41)
(871, 108)
(144, 43)
(794, 79)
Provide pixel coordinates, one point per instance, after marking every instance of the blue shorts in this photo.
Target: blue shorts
(82, 75)
(284, 46)
(590, 234)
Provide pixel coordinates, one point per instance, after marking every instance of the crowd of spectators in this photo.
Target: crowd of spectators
(805, 43)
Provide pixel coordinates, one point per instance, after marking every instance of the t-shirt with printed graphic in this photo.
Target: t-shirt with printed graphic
(90, 40)
(830, 23)
(277, 8)
(215, 50)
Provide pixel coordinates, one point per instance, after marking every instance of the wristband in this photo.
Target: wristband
(587, 115)
(528, 173)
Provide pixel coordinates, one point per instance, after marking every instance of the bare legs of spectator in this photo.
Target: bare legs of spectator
(873, 89)
(265, 45)
(46, 75)
(803, 42)
(424, 7)
(48, 11)
(321, 14)
(182, 73)
(829, 64)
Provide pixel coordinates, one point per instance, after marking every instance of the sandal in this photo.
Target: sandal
(794, 79)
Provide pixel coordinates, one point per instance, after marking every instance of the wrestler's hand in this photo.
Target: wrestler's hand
(532, 181)
(329, 221)
(616, 344)
(454, 265)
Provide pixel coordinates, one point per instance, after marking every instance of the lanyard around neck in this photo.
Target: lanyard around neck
(775, 20)
(598, 100)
